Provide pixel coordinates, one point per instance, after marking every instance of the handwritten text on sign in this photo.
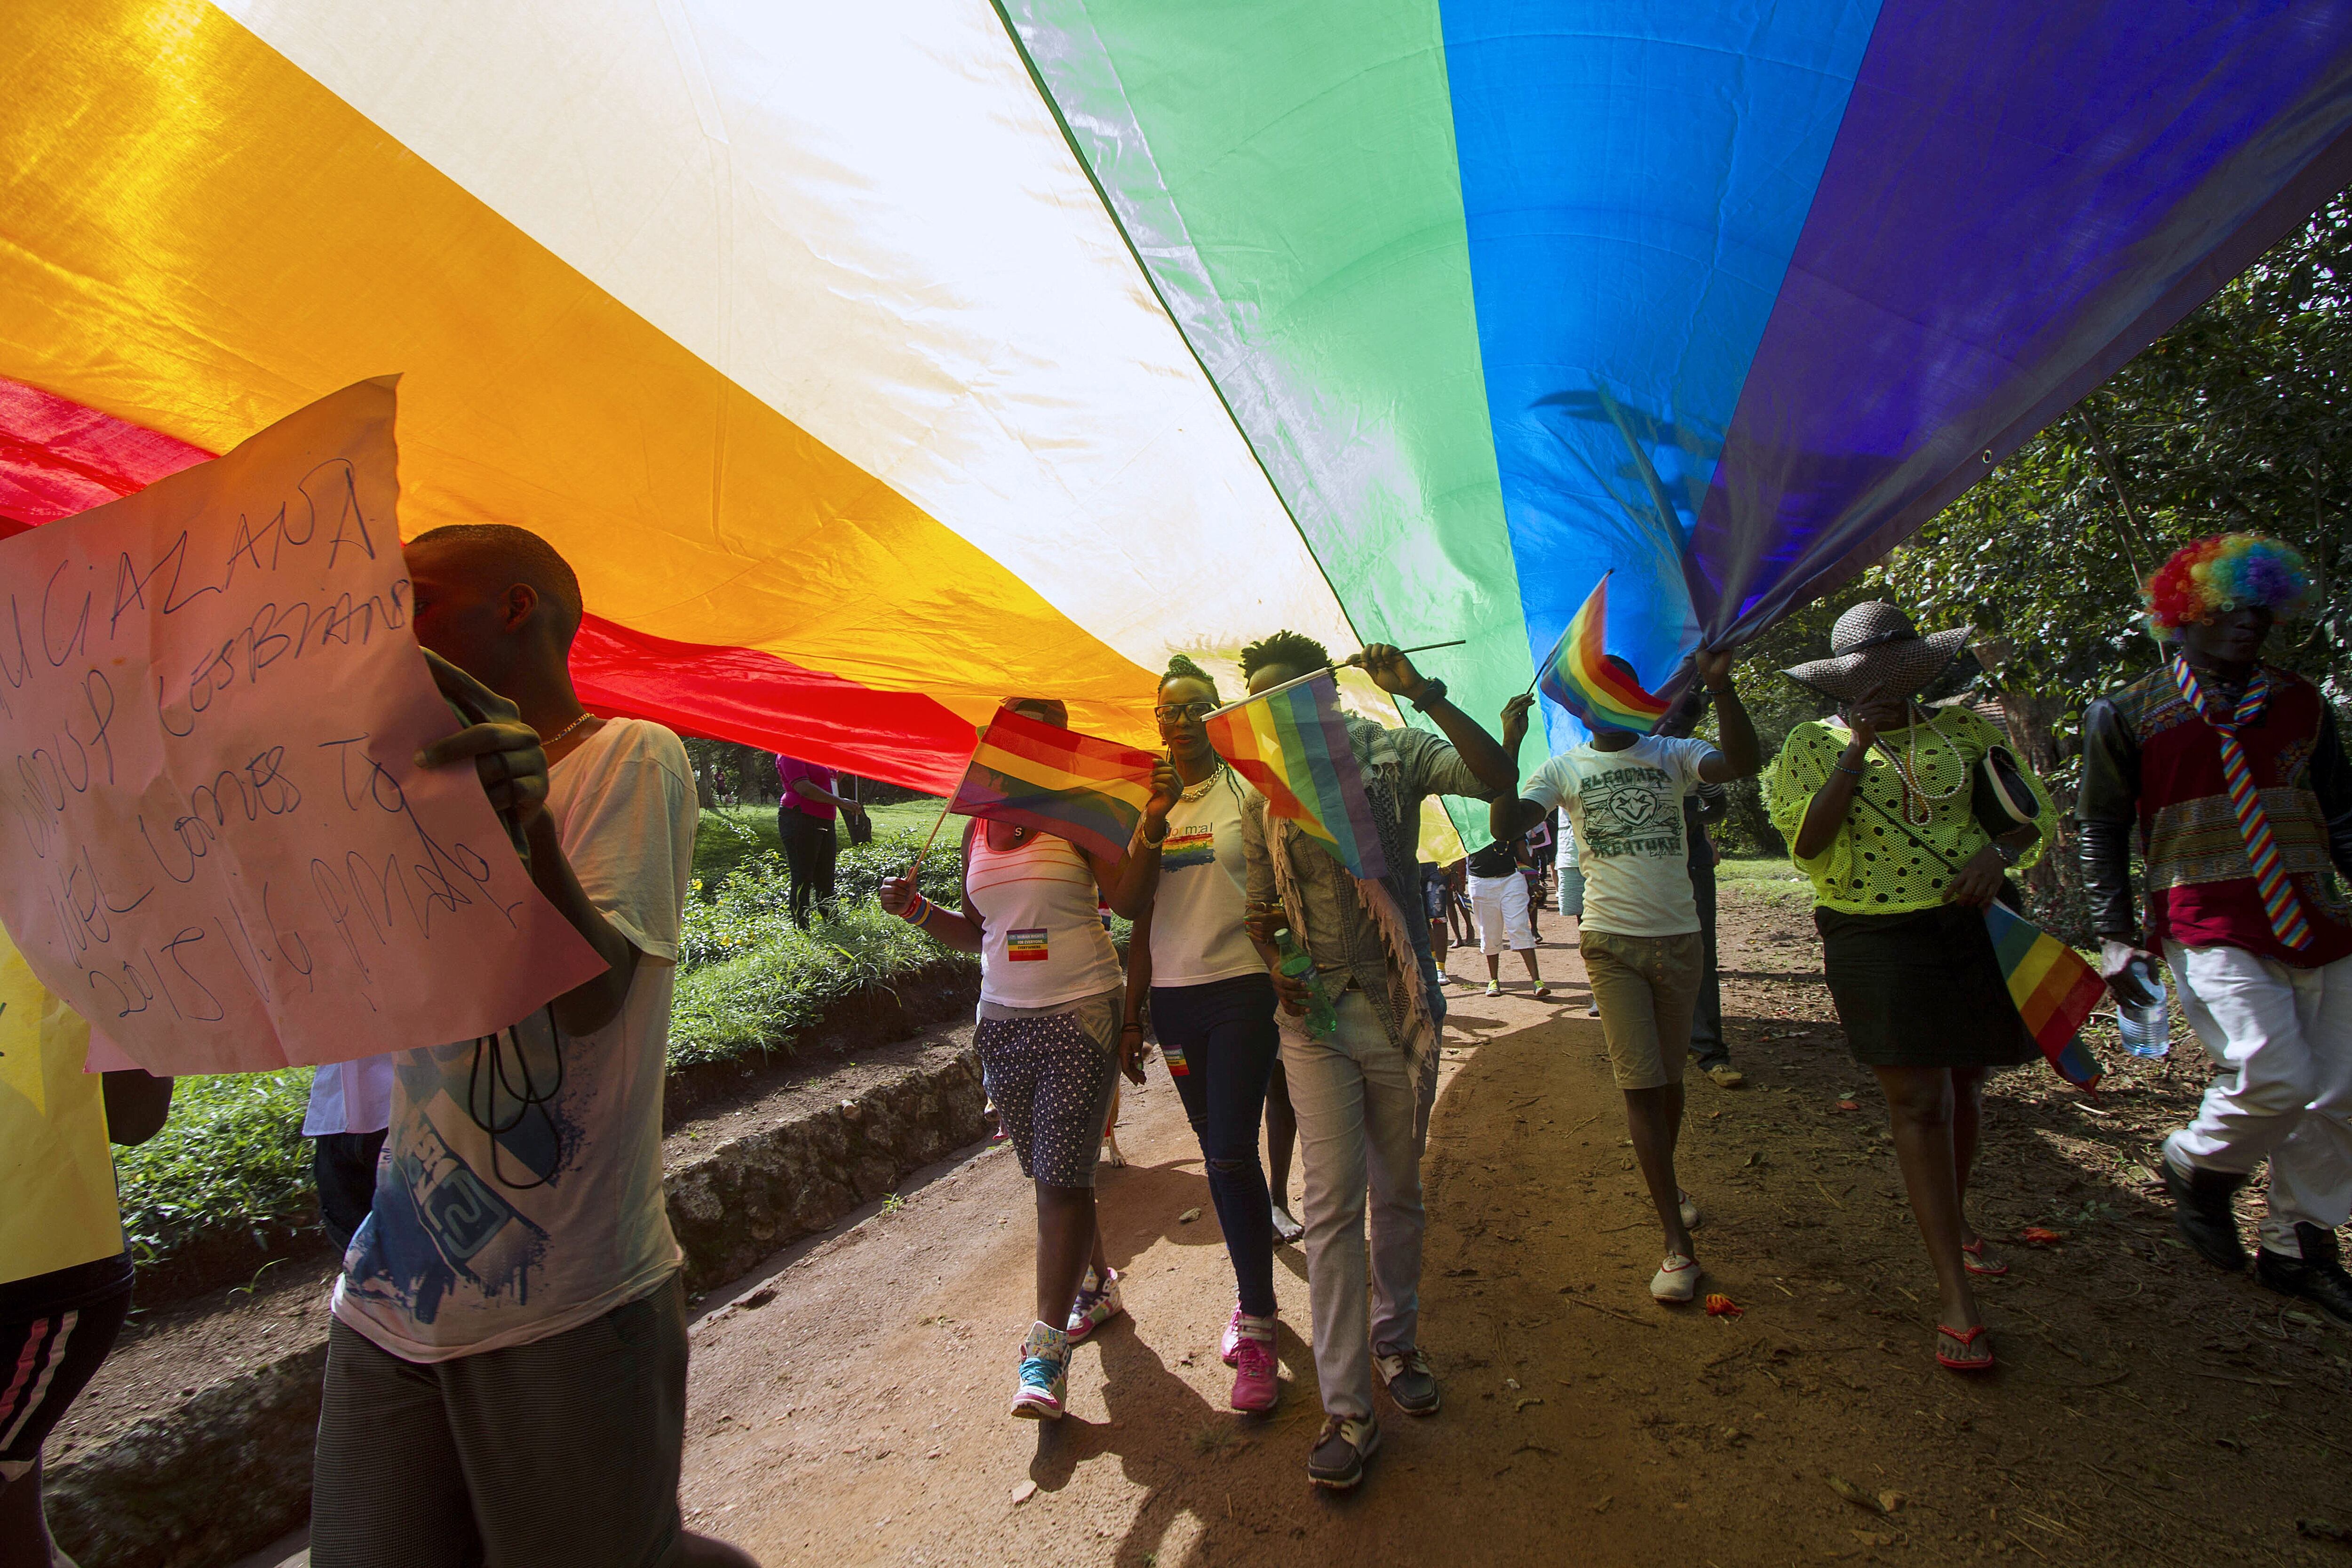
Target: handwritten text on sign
(214, 840)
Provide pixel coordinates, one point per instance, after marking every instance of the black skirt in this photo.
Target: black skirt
(1921, 989)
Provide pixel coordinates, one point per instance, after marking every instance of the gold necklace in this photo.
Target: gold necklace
(559, 735)
(1195, 791)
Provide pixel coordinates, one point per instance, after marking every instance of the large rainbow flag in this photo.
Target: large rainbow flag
(2054, 991)
(1055, 780)
(1292, 743)
(1580, 678)
(871, 363)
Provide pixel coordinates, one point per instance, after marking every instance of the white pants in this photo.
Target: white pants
(1500, 904)
(1360, 1128)
(2283, 1039)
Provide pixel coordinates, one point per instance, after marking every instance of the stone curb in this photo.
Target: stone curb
(229, 1472)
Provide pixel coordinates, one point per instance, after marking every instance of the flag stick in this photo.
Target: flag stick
(944, 809)
(1351, 662)
(1355, 660)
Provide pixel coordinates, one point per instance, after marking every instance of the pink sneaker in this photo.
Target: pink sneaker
(1255, 1385)
(1229, 1347)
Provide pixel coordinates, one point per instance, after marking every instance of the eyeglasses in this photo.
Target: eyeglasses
(1178, 712)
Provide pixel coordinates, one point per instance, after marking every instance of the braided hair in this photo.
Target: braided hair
(1180, 667)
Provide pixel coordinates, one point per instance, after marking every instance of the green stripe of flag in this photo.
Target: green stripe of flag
(1299, 205)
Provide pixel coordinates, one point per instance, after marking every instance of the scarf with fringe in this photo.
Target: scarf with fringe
(1406, 1014)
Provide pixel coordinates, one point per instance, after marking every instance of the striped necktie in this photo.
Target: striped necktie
(2269, 868)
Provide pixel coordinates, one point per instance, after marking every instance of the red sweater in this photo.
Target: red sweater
(2147, 754)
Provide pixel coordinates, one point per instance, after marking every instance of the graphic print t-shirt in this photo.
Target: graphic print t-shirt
(1196, 914)
(482, 1240)
(1625, 809)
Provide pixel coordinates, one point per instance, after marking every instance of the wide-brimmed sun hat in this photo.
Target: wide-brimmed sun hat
(1874, 645)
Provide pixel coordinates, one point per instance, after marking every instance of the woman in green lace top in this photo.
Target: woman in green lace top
(1877, 809)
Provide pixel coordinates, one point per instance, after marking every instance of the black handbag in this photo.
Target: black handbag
(2000, 795)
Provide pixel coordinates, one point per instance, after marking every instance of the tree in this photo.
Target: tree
(2240, 419)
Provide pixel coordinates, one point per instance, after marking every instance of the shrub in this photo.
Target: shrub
(751, 905)
(777, 979)
(232, 1154)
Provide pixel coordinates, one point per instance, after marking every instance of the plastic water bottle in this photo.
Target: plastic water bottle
(1296, 962)
(2147, 1030)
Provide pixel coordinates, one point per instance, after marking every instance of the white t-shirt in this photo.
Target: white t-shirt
(1196, 913)
(1041, 936)
(478, 1242)
(351, 1097)
(1625, 809)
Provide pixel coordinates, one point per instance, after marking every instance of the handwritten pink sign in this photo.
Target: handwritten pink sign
(214, 842)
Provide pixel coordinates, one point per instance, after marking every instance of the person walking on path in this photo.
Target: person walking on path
(1051, 1051)
(506, 1364)
(349, 1114)
(1878, 811)
(2230, 776)
(1457, 903)
(1624, 794)
(1498, 899)
(1432, 898)
(1212, 1002)
(804, 822)
(1363, 1093)
(1702, 808)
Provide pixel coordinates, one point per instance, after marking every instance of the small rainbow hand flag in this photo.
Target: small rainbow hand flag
(1293, 745)
(1580, 678)
(2054, 991)
(1040, 776)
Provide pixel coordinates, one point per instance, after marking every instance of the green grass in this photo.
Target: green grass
(782, 982)
(1764, 877)
(232, 1156)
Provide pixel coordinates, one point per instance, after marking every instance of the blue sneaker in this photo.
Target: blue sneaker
(1045, 1373)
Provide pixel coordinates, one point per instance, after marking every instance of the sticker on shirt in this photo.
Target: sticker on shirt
(1635, 811)
(1195, 846)
(1026, 946)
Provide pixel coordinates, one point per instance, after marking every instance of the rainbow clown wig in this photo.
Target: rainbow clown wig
(2223, 573)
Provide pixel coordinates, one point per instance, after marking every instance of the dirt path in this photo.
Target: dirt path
(2146, 1410)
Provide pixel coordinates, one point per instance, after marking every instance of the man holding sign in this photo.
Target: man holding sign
(506, 1370)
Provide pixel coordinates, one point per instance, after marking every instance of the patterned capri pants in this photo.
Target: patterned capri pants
(1051, 1072)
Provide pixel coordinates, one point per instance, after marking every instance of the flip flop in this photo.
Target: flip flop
(1965, 1339)
(1973, 1259)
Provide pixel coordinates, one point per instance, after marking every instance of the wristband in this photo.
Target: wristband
(917, 911)
(1136, 1025)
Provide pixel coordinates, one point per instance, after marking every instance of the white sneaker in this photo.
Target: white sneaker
(1676, 1281)
(1494, 988)
(1692, 1217)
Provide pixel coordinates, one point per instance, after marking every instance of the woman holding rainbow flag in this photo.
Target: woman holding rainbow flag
(1879, 811)
(1211, 999)
(1049, 1048)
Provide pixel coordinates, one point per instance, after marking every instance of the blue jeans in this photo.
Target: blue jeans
(1220, 1041)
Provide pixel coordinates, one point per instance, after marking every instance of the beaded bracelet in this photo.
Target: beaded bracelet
(1841, 767)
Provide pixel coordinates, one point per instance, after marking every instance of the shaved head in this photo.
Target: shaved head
(496, 556)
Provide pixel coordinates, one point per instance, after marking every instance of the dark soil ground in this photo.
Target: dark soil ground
(2146, 1410)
